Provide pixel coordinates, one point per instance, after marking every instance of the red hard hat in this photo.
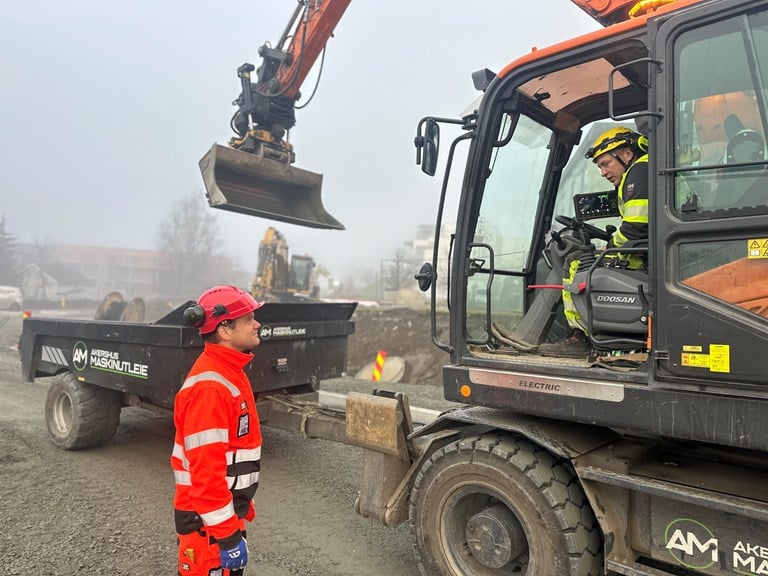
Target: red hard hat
(218, 304)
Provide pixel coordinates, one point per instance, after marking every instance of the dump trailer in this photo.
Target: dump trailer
(103, 365)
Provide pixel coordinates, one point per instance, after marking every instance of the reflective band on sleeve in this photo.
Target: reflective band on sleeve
(218, 516)
(204, 437)
(242, 481)
(244, 455)
(178, 452)
(619, 239)
(182, 478)
(210, 376)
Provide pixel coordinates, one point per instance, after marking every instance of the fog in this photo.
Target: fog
(108, 106)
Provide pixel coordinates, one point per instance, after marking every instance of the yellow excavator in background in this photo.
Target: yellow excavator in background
(280, 278)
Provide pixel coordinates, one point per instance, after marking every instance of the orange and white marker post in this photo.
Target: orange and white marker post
(378, 367)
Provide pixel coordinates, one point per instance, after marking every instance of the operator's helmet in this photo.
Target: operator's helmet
(617, 138)
(218, 304)
(746, 146)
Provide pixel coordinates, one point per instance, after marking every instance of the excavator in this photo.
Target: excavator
(282, 279)
(648, 455)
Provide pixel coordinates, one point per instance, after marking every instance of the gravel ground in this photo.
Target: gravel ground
(108, 510)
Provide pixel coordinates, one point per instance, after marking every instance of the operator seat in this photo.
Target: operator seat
(615, 302)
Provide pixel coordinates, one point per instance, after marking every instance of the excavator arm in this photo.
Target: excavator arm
(269, 103)
(254, 173)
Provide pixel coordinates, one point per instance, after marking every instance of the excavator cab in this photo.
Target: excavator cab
(698, 308)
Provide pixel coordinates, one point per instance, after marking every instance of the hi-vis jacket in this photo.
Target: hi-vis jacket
(633, 207)
(217, 450)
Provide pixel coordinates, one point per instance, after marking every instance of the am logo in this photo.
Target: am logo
(80, 355)
(691, 544)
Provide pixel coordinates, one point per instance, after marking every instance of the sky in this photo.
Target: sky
(106, 108)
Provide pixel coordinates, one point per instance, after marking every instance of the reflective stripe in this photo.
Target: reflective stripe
(636, 211)
(218, 516)
(204, 437)
(208, 376)
(572, 315)
(244, 455)
(178, 452)
(242, 481)
(182, 478)
(619, 239)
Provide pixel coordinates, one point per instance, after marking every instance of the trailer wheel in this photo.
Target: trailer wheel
(497, 505)
(80, 415)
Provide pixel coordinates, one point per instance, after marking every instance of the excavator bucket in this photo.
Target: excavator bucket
(252, 184)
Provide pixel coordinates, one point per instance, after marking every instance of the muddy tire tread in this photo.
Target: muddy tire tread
(554, 480)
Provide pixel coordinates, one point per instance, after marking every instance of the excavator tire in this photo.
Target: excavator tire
(498, 505)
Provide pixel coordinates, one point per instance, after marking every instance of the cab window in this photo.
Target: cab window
(720, 159)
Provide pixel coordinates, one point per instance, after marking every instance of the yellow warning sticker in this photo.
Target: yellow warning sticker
(757, 248)
(695, 360)
(719, 358)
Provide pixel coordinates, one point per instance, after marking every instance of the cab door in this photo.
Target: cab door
(711, 201)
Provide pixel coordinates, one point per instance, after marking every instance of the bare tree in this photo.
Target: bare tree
(188, 240)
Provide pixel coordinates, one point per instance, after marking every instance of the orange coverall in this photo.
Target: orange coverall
(216, 458)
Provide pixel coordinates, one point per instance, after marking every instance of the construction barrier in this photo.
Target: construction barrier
(378, 367)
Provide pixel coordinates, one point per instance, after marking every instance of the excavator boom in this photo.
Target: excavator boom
(254, 174)
(307, 43)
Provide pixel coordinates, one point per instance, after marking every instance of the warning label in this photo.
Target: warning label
(757, 248)
(718, 359)
(695, 360)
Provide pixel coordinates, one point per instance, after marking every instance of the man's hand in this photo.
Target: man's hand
(234, 558)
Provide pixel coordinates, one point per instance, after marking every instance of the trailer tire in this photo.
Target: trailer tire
(80, 415)
(498, 505)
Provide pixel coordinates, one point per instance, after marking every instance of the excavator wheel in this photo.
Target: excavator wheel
(497, 505)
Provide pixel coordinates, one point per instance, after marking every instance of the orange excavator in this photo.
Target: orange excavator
(254, 174)
(646, 453)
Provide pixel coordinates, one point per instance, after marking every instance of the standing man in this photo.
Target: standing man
(621, 155)
(217, 449)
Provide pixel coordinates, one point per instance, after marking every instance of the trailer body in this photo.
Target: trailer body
(145, 364)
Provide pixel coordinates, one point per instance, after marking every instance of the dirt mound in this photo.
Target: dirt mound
(403, 332)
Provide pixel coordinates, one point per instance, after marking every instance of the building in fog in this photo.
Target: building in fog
(397, 274)
(56, 271)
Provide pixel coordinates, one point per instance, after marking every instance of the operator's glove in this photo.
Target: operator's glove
(236, 557)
